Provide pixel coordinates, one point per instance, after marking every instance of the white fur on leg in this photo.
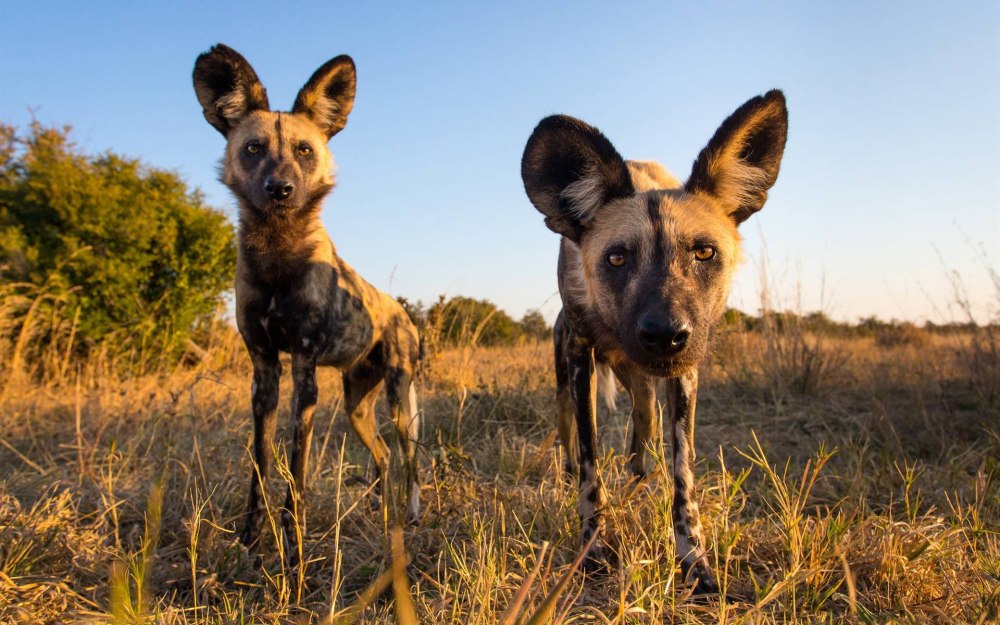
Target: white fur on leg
(608, 385)
(414, 418)
(414, 504)
(413, 428)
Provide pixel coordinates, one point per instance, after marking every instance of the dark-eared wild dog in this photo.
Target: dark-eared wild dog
(293, 293)
(645, 266)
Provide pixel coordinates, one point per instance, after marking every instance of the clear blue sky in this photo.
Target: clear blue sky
(891, 175)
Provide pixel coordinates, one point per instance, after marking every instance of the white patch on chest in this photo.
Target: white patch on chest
(266, 318)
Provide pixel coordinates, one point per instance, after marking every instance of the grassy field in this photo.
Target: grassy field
(841, 480)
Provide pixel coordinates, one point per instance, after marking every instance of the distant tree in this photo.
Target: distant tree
(533, 325)
(869, 326)
(464, 320)
(780, 320)
(736, 319)
(415, 311)
(136, 254)
(817, 321)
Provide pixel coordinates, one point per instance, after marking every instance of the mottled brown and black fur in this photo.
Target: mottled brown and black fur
(293, 293)
(645, 266)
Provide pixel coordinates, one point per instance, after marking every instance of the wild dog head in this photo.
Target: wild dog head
(277, 164)
(648, 263)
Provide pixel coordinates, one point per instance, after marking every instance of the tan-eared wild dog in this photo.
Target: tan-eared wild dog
(645, 266)
(293, 293)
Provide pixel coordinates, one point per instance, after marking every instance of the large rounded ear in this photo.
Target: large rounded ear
(570, 170)
(227, 87)
(328, 97)
(741, 162)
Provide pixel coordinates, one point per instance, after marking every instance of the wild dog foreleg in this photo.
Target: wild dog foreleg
(264, 401)
(583, 388)
(304, 397)
(565, 417)
(687, 525)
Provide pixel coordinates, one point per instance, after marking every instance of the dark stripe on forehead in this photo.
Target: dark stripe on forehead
(658, 251)
(653, 208)
(277, 131)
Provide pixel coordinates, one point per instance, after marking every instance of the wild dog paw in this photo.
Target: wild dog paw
(704, 581)
(375, 503)
(250, 534)
(290, 538)
(706, 589)
(598, 561)
(413, 518)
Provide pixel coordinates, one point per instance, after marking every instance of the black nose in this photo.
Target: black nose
(278, 189)
(662, 335)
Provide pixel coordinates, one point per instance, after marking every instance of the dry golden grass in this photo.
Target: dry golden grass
(869, 493)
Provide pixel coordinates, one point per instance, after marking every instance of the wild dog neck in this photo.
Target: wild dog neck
(277, 233)
(275, 251)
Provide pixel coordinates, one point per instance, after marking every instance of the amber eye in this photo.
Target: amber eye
(616, 259)
(705, 252)
(305, 150)
(253, 148)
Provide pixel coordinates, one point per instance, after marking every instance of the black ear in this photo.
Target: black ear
(741, 162)
(227, 87)
(570, 170)
(328, 97)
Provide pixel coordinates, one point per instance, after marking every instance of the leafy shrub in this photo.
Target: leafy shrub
(132, 256)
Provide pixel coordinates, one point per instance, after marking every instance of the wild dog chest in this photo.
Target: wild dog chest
(312, 314)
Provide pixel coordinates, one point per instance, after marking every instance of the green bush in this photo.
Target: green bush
(133, 255)
(464, 321)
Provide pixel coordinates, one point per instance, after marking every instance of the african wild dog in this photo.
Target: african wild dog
(293, 293)
(644, 271)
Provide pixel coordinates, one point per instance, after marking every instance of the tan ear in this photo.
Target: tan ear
(570, 170)
(227, 87)
(328, 97)
(741, 162)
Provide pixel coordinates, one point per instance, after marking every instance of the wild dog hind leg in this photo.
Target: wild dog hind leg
(645, 417)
